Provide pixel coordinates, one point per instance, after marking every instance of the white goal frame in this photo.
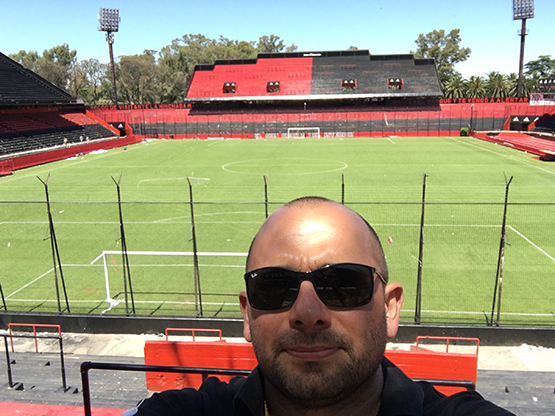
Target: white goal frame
(291, 132)
(113, 302)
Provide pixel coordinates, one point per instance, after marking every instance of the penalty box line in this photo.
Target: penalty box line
(541, 250)
(171, 253)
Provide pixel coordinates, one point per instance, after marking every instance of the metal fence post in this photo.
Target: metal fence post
(55, 252)
(198, 294)
(124, 256)
(500, 260)
(418, 303)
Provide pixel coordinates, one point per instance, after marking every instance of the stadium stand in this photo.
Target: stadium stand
(545, 123)
(38, 130)
(315, 76)
(21, 86)
(330, 94)
(38, 118)
(527, 130)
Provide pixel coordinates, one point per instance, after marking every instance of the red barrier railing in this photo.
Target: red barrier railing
(195, 330)
(34, 326)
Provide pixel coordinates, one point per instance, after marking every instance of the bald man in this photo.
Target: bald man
(318, 310)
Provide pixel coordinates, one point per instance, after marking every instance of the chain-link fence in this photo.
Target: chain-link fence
(471, 263)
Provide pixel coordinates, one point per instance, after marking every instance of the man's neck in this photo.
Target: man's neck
(365, 401)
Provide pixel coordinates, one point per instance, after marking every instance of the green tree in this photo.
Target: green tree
(475, 87)
(27, 59)
(273, 44)
(444, 48)
(543, 67)
(184, 53)
(54, 64)
(455, 87)
(529, 85)
(86, 78)
(170, 86)
(497, 85)
(136, 79)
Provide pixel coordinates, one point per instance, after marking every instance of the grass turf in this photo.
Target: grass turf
(465, 189)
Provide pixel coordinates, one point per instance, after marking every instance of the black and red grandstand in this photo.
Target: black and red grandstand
(40, 122)
(315, 94)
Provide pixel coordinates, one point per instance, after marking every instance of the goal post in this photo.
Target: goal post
(300, 132)
(106, 253)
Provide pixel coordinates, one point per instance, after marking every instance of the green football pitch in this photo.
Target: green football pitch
(381, 178)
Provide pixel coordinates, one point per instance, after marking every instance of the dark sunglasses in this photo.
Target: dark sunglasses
(342, 285)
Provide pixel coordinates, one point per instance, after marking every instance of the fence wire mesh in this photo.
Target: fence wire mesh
(459, 258)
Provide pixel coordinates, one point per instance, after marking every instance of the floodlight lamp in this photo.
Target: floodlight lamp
(523, 9)
(109, 20)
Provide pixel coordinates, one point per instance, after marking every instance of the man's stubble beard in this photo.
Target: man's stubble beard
(313, 387)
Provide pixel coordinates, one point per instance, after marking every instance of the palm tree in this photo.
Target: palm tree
(475, 87)
(512, 80)
(529, 85)
(454, 87)
(497, 85)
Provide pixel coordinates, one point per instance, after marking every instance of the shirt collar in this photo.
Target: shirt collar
(400, 395)
(250, 396)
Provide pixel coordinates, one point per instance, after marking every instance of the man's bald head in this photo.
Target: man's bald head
(316, 203)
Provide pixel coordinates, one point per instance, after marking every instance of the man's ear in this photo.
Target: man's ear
(244, 302)
(393, 298)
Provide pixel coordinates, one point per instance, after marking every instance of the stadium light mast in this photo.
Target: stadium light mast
(109, 23)
(522, 10)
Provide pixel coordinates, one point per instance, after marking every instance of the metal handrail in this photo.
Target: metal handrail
(88, 365)
(62, 364)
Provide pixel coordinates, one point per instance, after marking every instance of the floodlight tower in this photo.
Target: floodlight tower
(522, 10)
(109, 23)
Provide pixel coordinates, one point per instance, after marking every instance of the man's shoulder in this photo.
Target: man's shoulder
(213, 397)
(467, 403)
(401, 395)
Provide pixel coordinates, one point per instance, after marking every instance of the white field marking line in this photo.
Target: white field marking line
(213, 213)
(161, 265)
(225, 167)
(173, 253)
(193, 178)
(153, 222)
(136, 301)
(389, 138)
(160, 179)
(49, 167)
(438, 225)
(501, 154)
(237, 304)
(214, 142)
(480, 313)
(30, 283)
(533, 245)
(131, 222)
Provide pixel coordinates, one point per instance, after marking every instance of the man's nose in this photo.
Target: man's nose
(308, 312)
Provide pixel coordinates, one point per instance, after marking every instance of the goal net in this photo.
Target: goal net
(297, 132)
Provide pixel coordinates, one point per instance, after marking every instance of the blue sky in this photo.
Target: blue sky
(383, 27)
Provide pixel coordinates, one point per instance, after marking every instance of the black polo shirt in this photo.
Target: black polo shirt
(244, 397)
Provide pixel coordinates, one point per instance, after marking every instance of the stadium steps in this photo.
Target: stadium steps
(42, 393)
(520, 141)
